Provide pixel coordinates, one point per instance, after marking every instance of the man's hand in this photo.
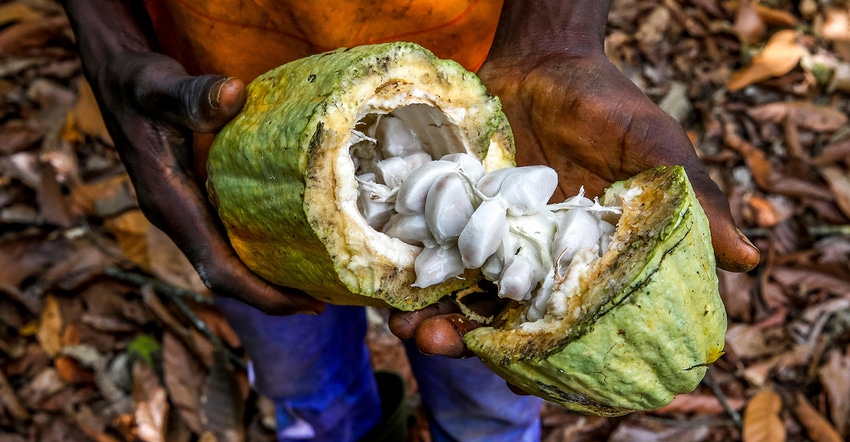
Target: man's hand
(152, 108)
(571, 109)
(581, 116)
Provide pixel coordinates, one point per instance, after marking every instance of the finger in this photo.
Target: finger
(443, 335)
(224, 274)
(175, 204)
(404, 324)
(516, 390)
(733, 251)
(203, 104)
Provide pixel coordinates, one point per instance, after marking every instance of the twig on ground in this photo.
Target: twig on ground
(709, 380)
(177, 296)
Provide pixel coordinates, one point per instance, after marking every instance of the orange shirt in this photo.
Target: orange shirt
(246, 38)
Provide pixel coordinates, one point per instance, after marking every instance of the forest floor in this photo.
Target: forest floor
(107, 334)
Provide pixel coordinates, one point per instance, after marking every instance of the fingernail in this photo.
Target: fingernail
(215, 92)
(744, 237)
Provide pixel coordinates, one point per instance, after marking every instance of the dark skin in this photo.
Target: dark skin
(569, 107)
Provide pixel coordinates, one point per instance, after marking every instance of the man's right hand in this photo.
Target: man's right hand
(152, 108)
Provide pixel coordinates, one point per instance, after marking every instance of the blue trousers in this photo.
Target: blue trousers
(317, 371)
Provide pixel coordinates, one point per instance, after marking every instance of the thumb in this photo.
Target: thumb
(733, 251)
(205, 103)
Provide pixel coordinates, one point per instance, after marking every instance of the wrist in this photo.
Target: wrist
(537, 28)
(106, 29)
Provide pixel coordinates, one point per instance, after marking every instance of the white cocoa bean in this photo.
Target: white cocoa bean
(417, 160)
(395, 138)
(412, 192)
(469, 164)
(490, 183)
(483, 234)
(375, 212)
(517, 280)
(448, 208)
(411, 229)
(528, 189)
(392, 171)
(577, 230)
(606, 235)
(493, 267)
(435, 265)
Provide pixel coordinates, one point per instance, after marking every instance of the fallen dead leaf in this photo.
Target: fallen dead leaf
(839, 183)
(748, 341)
(818, 428)
(222, 405)
(735, 291)
(836, 24)
(767, 14)
(748, 26)
(811, 280)
(18, 12)
(130, 229)
(802, 113)
(184, 379)
(9, 401)
(699, 403)
(835, 378)
(21, 38)
(169, 264)
(644, 432)
(833, 152)
(86, 117)
(780, 55)
(50, 327)
(151, 401)
(761, 418)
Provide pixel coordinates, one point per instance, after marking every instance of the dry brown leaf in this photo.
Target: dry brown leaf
(222, 405)
(735, 291)
(699, 403)
(748, 341)
(184, 379)
(18, 135)
(761, 418)
(72, 371)
(818, 428)
(50, 327)
(748, 26)
(86, 116)
(780, 55)
(839, 183)
(169, 264)
(151, 401)
(18, 12)
(104, 198)
(802, 113)
(130, 230)
(9, 401)
(767, 14)
(46, 383)
(52, 203)
(835, 378)
(20, 38)
(833, 152)
(836, 25)
(811, 280)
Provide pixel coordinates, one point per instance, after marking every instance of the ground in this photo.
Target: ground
(106, 333)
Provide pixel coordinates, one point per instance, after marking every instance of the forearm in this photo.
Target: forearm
(528, 28)
(108, 28)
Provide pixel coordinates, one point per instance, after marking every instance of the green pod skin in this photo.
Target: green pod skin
(282, 180)
(653, 320)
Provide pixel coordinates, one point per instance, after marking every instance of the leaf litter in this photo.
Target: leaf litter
(108, 335)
